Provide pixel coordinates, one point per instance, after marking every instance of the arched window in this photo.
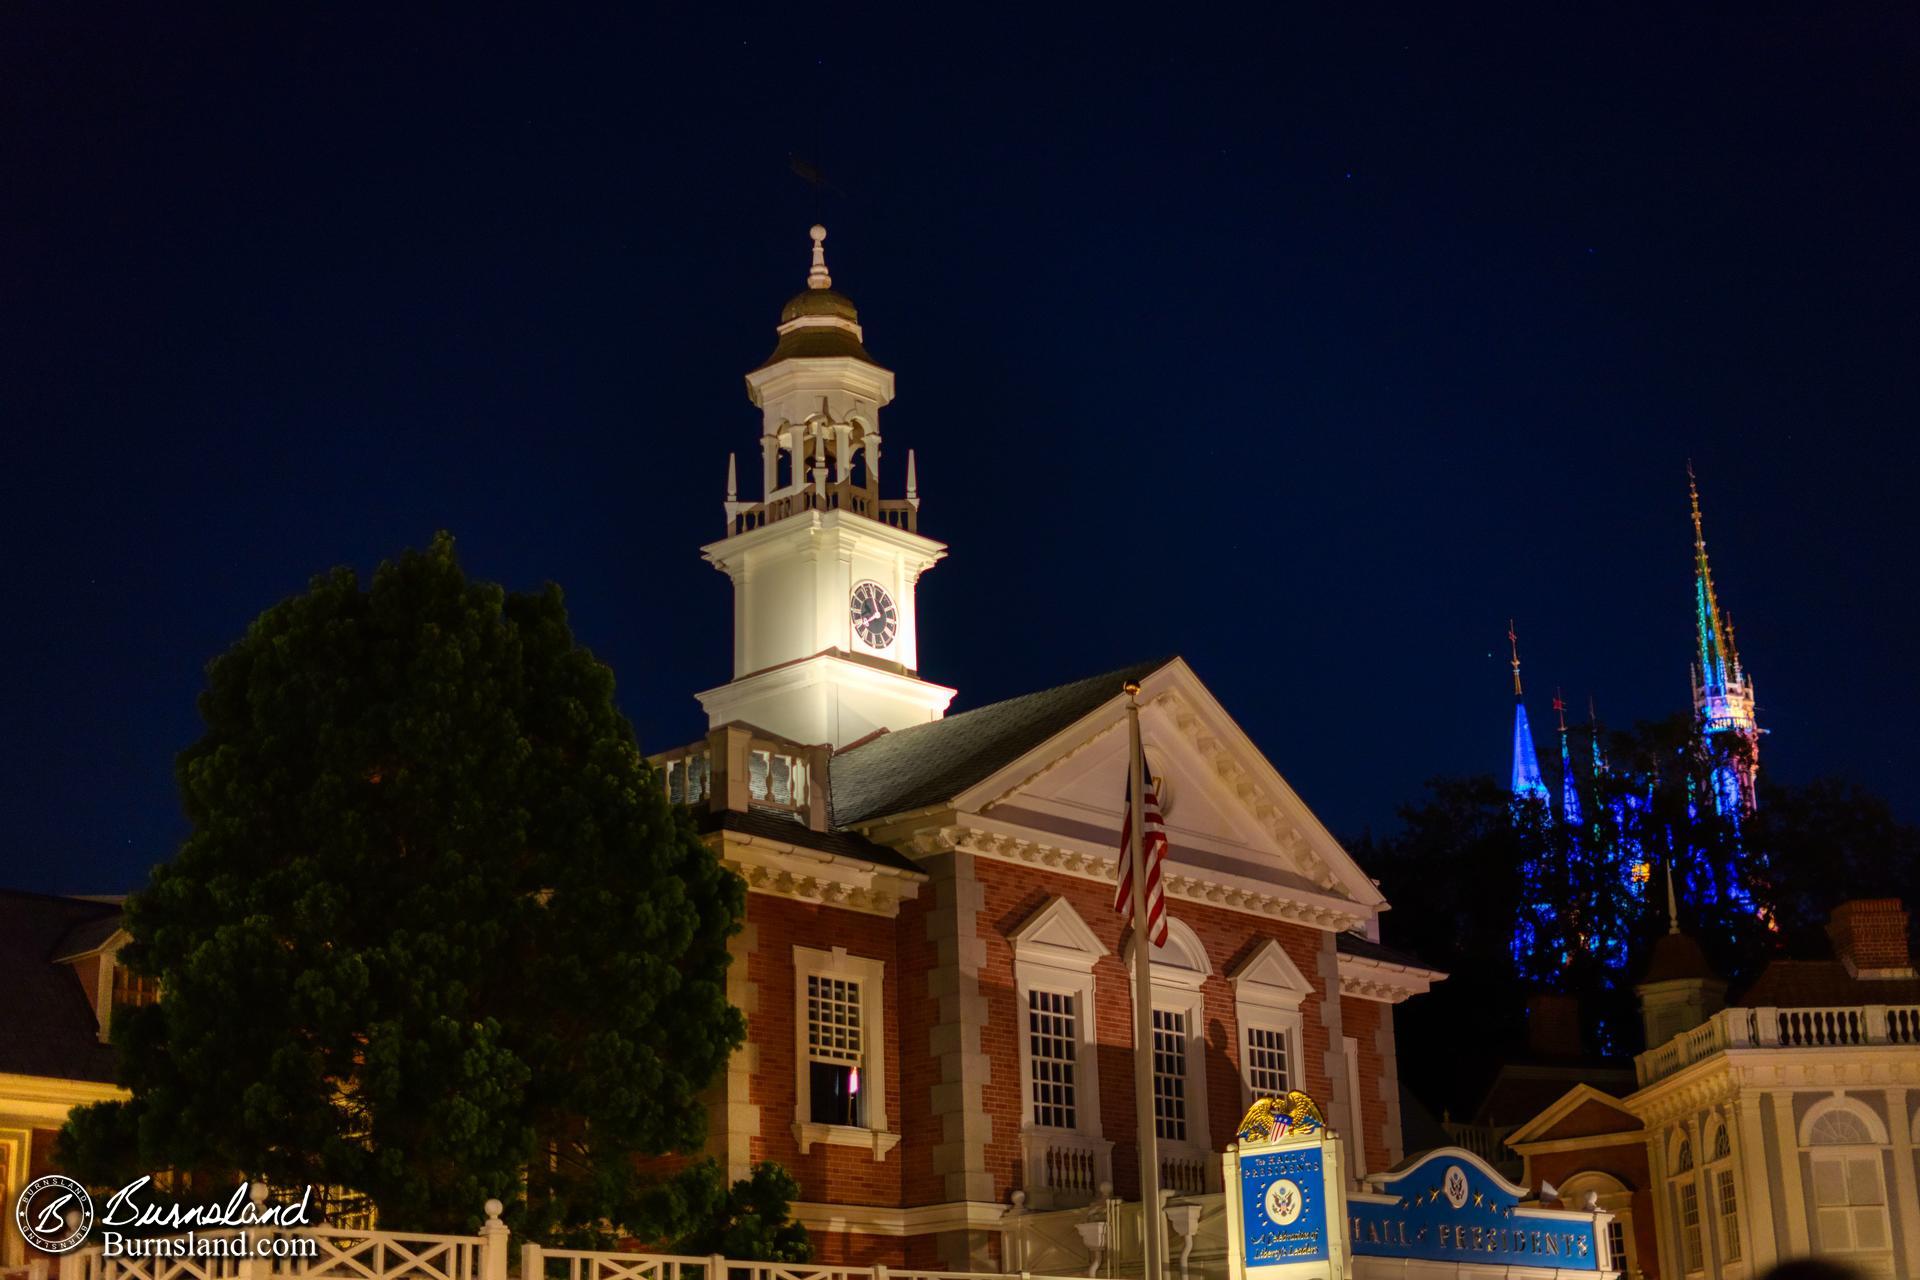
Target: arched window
(1845, 1142)
(1616, 1198)
(1687, 1197)
(1180, 969)
(1726, 1196)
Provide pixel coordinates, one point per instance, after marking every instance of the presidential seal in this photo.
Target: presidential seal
(54, 1214)
(1284, 1201)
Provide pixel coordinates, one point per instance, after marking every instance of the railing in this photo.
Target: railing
(901, 513)
(1064, 1169)
(316, 1253)
(1185, 1173)
(1488, 1141)
(1821, 1027)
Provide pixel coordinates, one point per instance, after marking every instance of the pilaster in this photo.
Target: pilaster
(739, 1117)
(1383, 1044)
(957, 1098)
(1339, 1110)
(1756, 1191)
(1906, 1195)
(1792, 1191)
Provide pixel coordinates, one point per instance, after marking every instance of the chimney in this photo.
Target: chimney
(1870, 937)
(1553, 1026)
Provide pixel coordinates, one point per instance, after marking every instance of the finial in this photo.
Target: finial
(1693, 500)
(733, 484)
(1513, 639)
(818, 278)
(1560, 709)
(1673, 911)
(913, 478)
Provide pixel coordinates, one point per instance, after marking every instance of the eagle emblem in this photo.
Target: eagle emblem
(1270, 1119)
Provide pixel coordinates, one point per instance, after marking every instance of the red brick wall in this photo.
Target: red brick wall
(850, 1249)
(1361, 1019)
(1012, 894)
(918, 1014)
(832, 1174)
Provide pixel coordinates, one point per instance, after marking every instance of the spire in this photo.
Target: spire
(1673, 911)
(1569, 785)
(1593, 737)
(733, 477)
(817, 277)
(1527, 784)
(1715, 664)
(913, 478)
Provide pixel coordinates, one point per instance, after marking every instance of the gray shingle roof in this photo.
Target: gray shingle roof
(1352, 944)
(47, 1026)
(932, 763)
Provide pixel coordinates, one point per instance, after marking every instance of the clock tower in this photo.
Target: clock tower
(825, 633)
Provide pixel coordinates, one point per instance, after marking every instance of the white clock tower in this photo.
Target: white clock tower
(825, 633)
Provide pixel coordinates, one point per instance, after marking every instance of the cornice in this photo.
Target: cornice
(1367, 979)
(959, 835)
(805, 875)
(1730, 1072)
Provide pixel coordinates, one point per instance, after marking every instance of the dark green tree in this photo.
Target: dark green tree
(436, 934)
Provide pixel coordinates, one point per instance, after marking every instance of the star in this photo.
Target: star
(1479, 1199)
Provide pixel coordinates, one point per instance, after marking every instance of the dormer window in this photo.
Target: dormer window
(131, 989)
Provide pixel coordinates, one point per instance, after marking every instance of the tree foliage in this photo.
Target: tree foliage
(1513, 899)
(436, 930)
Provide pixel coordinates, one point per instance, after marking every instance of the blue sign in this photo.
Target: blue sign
(1449, 1207)
(1283, 1207)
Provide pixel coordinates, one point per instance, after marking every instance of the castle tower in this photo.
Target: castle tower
(1722, 691)
(826, 640)
(1527, 784)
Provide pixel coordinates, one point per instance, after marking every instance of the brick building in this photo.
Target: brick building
(937, 988)
(59, 982)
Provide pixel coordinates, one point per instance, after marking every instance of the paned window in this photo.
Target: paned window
(1052, 1043)
(1729, 1206)
(835, 1048)
(1267, 1066)
(1690, 1226)
(1617, 1244)
(1170, 1074)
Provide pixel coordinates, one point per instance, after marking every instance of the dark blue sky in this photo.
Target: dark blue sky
(1310, 347)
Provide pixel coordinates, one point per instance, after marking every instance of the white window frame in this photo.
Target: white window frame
(1055, 952)
(1268, 989)
(1684, 1182)
(870, 974)
(1180, 971)
(1873, 1150)
(1612, 1196)
(1726, 1233)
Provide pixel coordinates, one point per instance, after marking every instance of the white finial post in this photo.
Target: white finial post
(1673, 911)
(913, 478)
(733, 485)
(818, 278)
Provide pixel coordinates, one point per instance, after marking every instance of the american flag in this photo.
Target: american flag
(1153, 851)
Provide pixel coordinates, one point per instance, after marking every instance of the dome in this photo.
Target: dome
(1677, 956)
(819, 302)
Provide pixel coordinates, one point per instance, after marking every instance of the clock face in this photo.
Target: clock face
(875, 619)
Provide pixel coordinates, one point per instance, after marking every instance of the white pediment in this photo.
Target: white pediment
(1055, 935)
(1269, 977)
(1232, 821)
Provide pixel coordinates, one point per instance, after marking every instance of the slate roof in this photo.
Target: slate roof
(932, 763)
(1352, 944)
(787, 828)
(1799, 984)
(47, 1027)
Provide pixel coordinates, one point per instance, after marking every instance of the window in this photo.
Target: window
(834, 1043)
(1849, 1195)
(1170, 1075)
(1052, 1047)
(1692, 1254)
(130, 988)
(1690, 1225)
(1729, 1206)
(1268, 988)
(839, 1051)
(1617, 1244)
(1268, 1073)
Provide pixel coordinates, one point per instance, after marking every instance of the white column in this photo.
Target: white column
(769, 464)
(1755, 1187)
(1906, 1194)
(1666, 1232)
(841, 471)
(1792, 1193)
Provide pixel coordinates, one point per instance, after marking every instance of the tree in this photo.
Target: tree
(436, 928)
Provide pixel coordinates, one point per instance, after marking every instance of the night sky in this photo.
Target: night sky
(1311, 348)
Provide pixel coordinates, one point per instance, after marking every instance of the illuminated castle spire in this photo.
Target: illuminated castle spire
(1569, 784)
(1722, 691)
(1526, 763)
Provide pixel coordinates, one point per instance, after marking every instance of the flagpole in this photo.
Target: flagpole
(1154, 1227)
